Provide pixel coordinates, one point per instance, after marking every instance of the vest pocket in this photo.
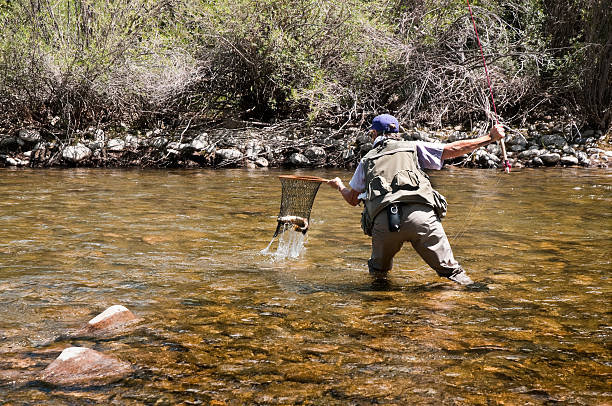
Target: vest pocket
(405, 180)
(378, 187)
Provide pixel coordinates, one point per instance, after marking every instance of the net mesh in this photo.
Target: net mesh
(298, 194)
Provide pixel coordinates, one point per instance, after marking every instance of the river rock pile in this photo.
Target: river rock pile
(540, 145)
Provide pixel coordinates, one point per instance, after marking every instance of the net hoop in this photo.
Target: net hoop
(305, 178)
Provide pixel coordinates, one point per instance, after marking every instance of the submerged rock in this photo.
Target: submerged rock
(84, 366)
(112, 318)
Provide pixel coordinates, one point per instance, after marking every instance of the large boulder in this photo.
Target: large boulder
(515, 139)
(95, 145)
(84, 367)
(76, 153)
(16, 162)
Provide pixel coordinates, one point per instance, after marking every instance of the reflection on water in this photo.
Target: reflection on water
(225, 324)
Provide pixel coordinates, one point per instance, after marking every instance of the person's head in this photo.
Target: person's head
(383, 124)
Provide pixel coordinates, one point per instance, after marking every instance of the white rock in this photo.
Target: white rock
(228, 154)
(569, 160)
(298, 159)
(253, 148)
(131, 141)
(200, 142)
(115, 145)
(76, 153)
(262, 162)
(13, 161)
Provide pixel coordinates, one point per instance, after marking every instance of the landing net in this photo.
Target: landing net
(298, 194)
(297, 199)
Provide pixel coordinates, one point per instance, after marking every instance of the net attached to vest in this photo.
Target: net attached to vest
(298, 194)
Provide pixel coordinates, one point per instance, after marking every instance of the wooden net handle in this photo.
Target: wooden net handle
(306, 178)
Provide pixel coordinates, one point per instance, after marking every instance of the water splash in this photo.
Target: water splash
(290, 244)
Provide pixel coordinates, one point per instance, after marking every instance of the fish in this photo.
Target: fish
(299, 223)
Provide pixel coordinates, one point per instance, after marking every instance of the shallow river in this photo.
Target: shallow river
(223, 324)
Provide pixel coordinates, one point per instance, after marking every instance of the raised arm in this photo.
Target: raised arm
(348, 194)
(462, 147)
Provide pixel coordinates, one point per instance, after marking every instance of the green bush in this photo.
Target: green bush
(147, 63)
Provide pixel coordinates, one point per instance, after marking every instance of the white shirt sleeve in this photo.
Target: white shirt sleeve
(429, 155)
(358, 180)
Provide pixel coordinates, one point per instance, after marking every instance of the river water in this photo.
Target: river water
(223, 324)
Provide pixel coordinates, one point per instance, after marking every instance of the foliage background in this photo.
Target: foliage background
(71, 64)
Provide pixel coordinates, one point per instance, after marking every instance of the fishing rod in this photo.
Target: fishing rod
(484, 62)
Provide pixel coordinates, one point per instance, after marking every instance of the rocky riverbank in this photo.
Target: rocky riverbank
(252, 145)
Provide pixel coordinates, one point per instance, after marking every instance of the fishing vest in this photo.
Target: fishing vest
(393, 175)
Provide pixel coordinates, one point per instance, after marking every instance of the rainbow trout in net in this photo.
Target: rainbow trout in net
(298, 194)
